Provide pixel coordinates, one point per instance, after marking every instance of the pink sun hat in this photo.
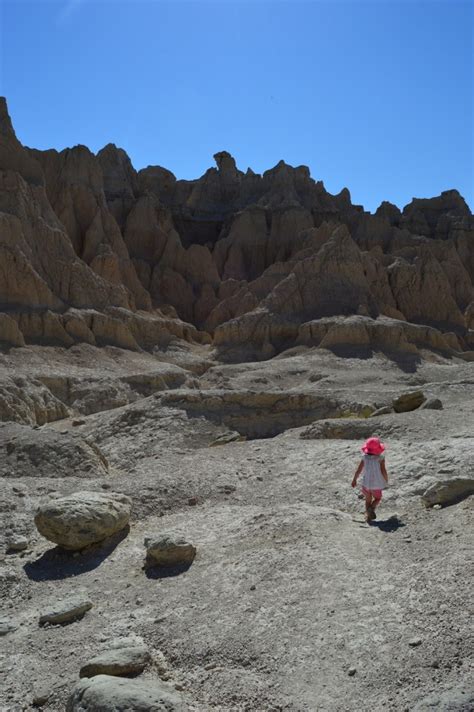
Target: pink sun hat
(373, 446)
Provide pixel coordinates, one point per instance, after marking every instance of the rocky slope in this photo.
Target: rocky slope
(92, 251)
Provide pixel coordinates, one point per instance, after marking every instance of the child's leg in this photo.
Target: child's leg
(369, 512)
(377, 498)
(368, 497)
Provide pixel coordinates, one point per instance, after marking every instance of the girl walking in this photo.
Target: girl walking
(374, 477)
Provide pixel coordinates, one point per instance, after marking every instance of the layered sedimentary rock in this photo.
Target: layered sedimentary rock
(93, 251)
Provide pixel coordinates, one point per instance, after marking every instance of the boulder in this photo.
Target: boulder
(106, 693)
(169, 550)
(448, 491)
(66, 611)
(83, 518)
(129, 660)
(408, 401)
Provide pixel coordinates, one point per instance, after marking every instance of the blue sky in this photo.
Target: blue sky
(376, 96)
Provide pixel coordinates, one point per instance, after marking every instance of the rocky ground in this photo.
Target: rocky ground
(293, 602)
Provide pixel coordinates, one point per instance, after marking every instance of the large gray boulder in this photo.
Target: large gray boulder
(448, 491)
(105, 693)
(168, 550)
(83, 518)
(129, 660)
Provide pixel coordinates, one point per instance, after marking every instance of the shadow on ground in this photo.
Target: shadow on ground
(388, 525)
(161, 572)
(56, 563)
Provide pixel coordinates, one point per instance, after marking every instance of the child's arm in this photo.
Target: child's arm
(383, 470)
(357, 473)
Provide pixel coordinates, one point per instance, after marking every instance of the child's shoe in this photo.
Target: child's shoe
(370, 514)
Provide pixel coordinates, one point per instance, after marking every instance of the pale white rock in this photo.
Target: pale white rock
(169, 549)
(448, 491)
(66, 611)
(83, 518)
(113, 694)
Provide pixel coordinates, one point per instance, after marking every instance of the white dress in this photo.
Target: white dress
(372, 477)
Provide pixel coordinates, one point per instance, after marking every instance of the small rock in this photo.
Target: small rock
(192, 501)
(78, 421)
(415, 642)
(169, 549)
(437, 506)
(385, 410)
(253, 587)
(432, 404)
(18, 543)
(40, 697)
(129, 660)
(352, 671)
(230, 437)
(66, 611)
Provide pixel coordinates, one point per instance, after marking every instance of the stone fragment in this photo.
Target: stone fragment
(168, 550)
(83, 518)
(66, 611)
(408, 401)
(230, 437)
(415, 642)
(129, 660)
(17, 543)
(432, 404)
(385, 410)
(40, 697)
(106, 693)
(448, 491)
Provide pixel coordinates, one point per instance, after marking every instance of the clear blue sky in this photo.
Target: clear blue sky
(376, 96)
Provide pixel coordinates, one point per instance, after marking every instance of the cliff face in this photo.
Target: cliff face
(92, 250)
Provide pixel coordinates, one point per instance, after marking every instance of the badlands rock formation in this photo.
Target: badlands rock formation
(193, 366)
(92, 251)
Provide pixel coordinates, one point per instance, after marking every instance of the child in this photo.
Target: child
(375, 477)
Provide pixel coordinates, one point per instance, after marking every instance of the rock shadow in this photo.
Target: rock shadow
(162, 572)
(57, 563)
(388, 525)
(406, 362)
